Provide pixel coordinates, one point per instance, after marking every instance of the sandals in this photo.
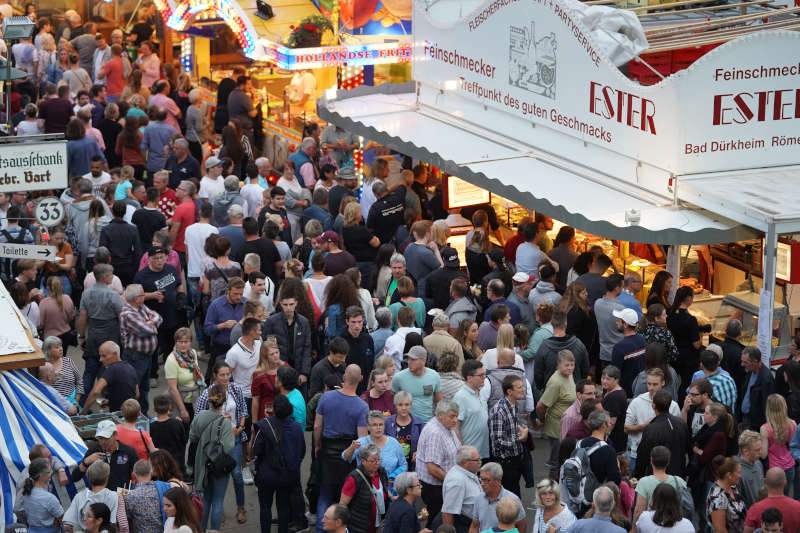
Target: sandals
(241, 515)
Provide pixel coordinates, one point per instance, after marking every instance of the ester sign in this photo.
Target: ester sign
(33, 166)
(736, 107)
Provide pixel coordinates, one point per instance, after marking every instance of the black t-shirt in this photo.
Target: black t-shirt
(386, 215)
(120, 462)
(167, 281)
(186, 169)
(338, 263)
(143, 32)
(335, 196)
(148, 221)
(617, 405)
(356, 240)
(266, 250)
(170, 435)
(603, 461)
(121, 383)
(286, 234)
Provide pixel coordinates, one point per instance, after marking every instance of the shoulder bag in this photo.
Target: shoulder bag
(218, 462)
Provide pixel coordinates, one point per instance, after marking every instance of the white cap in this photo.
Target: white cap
(105, 429)
(627, 315)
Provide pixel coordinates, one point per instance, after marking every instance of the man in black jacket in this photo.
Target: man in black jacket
(437, 287)
(362, 347)
(665, 430)
(758, 384)
(546, 359)
(732, 353)
(292, 332)
(122, 240)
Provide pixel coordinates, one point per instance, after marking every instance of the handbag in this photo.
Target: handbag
(687, 502)
(218, 462)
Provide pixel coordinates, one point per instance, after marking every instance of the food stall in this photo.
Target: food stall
(556, 127)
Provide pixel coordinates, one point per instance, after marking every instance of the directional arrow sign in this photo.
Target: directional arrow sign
(28, 251)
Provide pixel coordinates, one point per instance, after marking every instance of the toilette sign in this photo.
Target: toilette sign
(535, 60)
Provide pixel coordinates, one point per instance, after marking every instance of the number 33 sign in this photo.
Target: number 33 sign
(49, 212)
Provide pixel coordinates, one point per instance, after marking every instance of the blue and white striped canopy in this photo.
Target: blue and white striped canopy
(30, 414)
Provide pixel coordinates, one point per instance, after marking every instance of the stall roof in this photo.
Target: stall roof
(568, 191)
(760, 196)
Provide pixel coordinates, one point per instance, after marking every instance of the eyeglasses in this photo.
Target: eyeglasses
(485, 480)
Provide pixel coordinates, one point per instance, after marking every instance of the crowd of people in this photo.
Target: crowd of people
(276, 302)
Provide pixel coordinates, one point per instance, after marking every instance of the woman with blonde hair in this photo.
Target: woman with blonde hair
(385, 363)
(264, 388)
(505, 339)
(293, 268)
(138, 107)
(196, 124)
(550, 512)
(56, 313)
(440, 233)
(776, 435)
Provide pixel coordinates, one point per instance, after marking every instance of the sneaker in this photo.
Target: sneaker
(247, 476)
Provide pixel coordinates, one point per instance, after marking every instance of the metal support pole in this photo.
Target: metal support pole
(674, 268)
(8, 88)
(766, 306)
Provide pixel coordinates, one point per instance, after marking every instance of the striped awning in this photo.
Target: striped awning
(30, 414)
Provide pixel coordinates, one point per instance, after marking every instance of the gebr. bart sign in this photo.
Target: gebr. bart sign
(33, 166)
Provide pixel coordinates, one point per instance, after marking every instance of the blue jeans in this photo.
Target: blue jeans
(327, 497)
(238, 481)
(140, 362)
(790, 473)
(213, 498)
(196, 313)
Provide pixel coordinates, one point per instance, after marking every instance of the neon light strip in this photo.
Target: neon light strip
(229, 11)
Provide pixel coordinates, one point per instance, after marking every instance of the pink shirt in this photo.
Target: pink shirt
(97, 136)
(570, 416)
(116, 284)
(151, 69)
(162, 100)
(307, 171)
(778, 452)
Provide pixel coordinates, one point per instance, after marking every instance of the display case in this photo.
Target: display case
(743, 305)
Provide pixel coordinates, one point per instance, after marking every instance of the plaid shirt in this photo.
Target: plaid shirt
(724, 390)
(437, 445)
(139, 328)
(238, 396)
(503, 434)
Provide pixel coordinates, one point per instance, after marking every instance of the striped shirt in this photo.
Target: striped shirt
(68, 379)
(139, 328)
(437, 445)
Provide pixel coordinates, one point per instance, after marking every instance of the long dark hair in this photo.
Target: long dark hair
(382, 258)
(341, 290)
(232, 144)
(130, 133)
(164, 466)
(583, 262)
(294, 288)
(680, 296)
(655, 356)
(185, 513)
(103, 513)
(565, 234)
(666, 505)
(657, 288)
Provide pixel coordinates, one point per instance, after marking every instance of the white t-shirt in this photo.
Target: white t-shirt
(169, 527)
(243, 363)
(209, 188)
(302, 83)
(253, 193)
(645, 525)
(640, 410)
(195, 239)
(98, 182)
(267, 298)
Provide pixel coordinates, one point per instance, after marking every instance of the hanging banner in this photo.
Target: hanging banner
(736, 107)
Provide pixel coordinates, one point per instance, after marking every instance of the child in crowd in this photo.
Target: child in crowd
(168, 432)
(124, 184)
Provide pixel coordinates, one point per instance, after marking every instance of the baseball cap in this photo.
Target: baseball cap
(346, 173)
(450, 257)
(328, 236)
(521, 277)
(417, 352)
(157, 250)
(213, 161)
(627, 315)
(105, 429)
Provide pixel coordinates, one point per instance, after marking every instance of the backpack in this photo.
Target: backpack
(687, 502)
(578, 477)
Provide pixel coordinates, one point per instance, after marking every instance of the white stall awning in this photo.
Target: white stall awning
(569, 191)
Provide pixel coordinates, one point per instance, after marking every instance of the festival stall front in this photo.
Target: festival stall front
(31, 413)
(522, 100)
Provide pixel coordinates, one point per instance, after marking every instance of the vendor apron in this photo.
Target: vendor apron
(334, 469)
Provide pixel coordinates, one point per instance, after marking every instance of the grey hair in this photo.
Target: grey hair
(97, 473)
(254, 260)
(379, 188)
(114, 348)
(603, 499)
(733, 328)
(402, 395)
(441, 321)
(375, 414)
(189, 186)
(464, 454)
(308, 142)
(235, 211)
(180, 141)
(383, 316)
(50, 342)
(102, 271)
(717, 349)
(313, 228)
(132, 291)
(446, 406)
(397, 258)
(194, 95)
(85, 186)
(493, 469)
(367, 451)
(405, 481)
(597, 419)
(231, 183)
(261, 161)
(101, 255)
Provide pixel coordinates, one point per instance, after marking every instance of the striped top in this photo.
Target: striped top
(68, 378)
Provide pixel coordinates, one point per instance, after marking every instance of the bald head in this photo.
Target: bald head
(352, 375)
(505, 357)
(775, 480)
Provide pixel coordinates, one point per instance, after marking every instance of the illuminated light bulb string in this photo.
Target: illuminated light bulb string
(225, 9)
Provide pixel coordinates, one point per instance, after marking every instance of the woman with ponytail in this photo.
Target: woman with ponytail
(776, 435)
(42, 509)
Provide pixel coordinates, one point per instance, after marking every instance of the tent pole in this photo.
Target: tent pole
(674, 268)
(767, 301)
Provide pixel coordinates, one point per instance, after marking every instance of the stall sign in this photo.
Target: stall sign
(459, 193)
(33, 166)
(334, 56)
(787, 261)
(736, 107)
